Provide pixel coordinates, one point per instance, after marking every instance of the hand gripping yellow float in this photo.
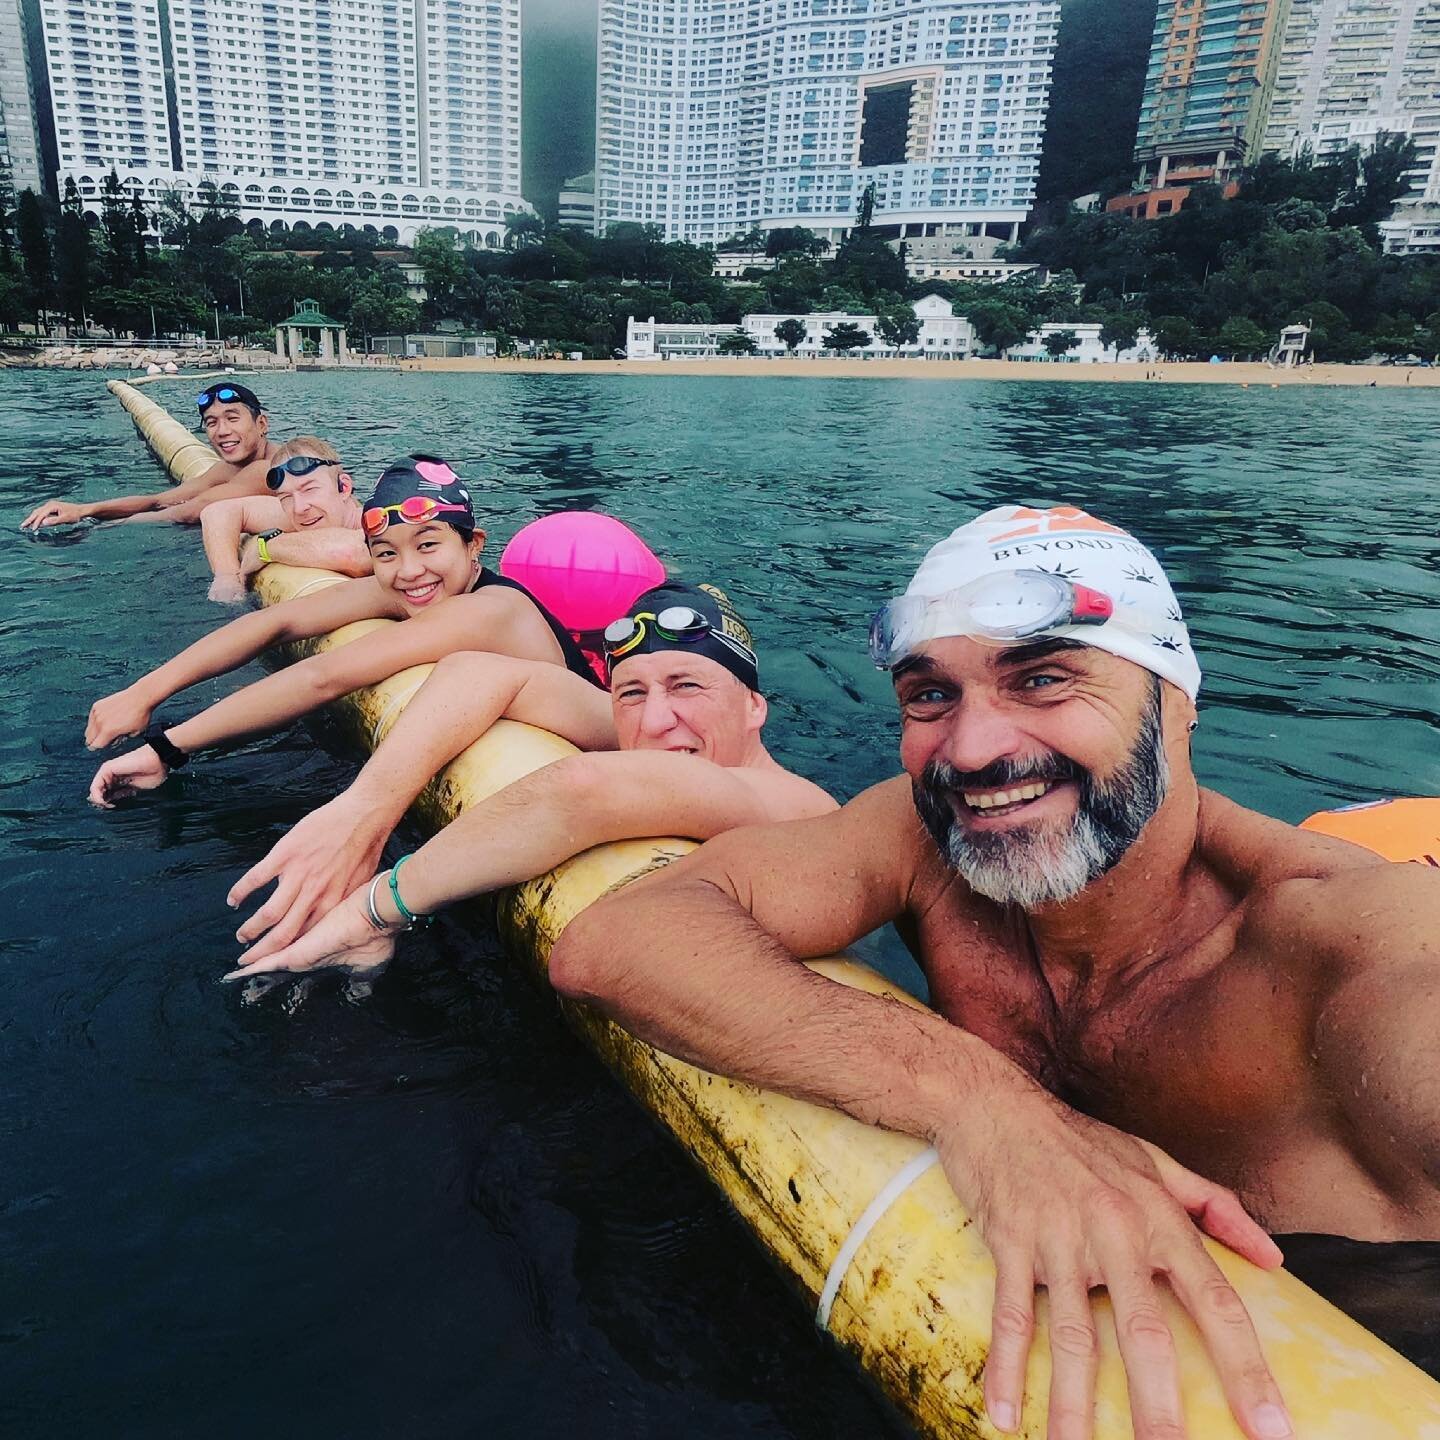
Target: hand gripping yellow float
(860, 1219)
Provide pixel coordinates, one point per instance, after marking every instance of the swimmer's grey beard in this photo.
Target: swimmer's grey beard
(1041, 864)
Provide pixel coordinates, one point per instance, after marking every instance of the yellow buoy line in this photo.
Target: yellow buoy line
(861, 1220)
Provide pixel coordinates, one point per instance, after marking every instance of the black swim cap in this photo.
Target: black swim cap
(227, 392)
(428, 477)
(728, 642)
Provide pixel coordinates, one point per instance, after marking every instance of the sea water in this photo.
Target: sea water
(431, 1212)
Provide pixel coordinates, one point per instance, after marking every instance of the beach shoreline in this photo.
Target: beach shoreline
(1243, 373)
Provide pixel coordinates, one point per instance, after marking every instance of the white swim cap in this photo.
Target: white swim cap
(1146, 626)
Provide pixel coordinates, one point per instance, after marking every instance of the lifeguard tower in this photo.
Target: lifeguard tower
(1289, 350)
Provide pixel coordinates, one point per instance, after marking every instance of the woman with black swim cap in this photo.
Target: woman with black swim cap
(425, 545)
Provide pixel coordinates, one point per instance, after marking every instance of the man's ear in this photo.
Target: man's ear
(759, 710)
(344, 483)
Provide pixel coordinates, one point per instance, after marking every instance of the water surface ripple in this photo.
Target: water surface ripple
(430, 1211)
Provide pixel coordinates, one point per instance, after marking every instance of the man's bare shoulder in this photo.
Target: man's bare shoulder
(1314, 900)
(1252, 852)
(782, 794)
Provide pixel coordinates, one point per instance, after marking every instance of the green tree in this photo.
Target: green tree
(1119, 331)
(1240, 335)
(899, 326)
(7, 216)
(792, 240)
(437, 252)
(1176, 337)
(381, 307)
(116, 226)
(846, 337)
(1059, 342)
(737, 343)
(72, 256)
(35, 257)
(790, 333)
(522, 230)
(139, 228)
(998, 324)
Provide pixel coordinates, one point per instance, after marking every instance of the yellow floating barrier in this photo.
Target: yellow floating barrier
(860, 1219)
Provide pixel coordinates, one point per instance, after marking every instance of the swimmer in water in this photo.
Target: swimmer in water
(424, 544)
(238, 430)
(310, 517)
(681, 754)
(1260, 1001)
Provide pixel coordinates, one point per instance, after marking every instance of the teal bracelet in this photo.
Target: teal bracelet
(400, 905)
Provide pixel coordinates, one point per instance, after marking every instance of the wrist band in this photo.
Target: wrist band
(399, 903)
(374, 917)
(262, 549)
(171, 756)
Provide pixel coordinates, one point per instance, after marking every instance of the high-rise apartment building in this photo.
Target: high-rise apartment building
(19, 135)
(718, 115)
(1207, 97)
(383, 114)
(1351, 70)
(107, 84)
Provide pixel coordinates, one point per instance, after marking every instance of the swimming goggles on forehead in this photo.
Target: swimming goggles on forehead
(413, 510)
(296, 465)
(223, 392)
(678, 623)
(1003, 609)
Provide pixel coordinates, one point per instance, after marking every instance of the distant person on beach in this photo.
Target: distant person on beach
(678, 752)
(1260, 1001)
(238, 430)
(310, 517)
(424, 544)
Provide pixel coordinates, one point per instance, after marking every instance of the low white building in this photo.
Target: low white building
(985, 272)
(732, 264)
(1088, 349)
(435, 347)
(943, 336)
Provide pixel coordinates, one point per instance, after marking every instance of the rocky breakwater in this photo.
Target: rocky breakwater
(117, 357)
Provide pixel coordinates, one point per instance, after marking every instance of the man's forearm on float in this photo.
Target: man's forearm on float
(221, 528)
(717, 990)
(328, 548)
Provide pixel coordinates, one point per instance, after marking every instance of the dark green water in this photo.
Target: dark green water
(430, 1212)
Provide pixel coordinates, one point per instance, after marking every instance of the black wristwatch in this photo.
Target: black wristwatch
(270, 534)
(171, 755)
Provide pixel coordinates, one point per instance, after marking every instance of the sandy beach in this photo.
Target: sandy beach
(1194, 373)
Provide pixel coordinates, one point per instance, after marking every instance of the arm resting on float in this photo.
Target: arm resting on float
(579, 802)
(225, 523)
(305, 686)
(323, 548)
(337, 847)
(128, 711)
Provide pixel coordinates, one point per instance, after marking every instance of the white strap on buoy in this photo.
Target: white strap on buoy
(885, 1197)
(320, 582)
(396, 704)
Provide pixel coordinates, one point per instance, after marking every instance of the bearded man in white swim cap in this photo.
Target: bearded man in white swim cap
(1031, 824)
(1095, 928)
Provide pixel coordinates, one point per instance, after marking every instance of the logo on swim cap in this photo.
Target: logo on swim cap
(1147, 626)
(730, 622)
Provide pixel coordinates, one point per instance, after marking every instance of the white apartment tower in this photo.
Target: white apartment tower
(1352, 69)
(718, 115)
(107, 85)
(19, 138)
(391, 115)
